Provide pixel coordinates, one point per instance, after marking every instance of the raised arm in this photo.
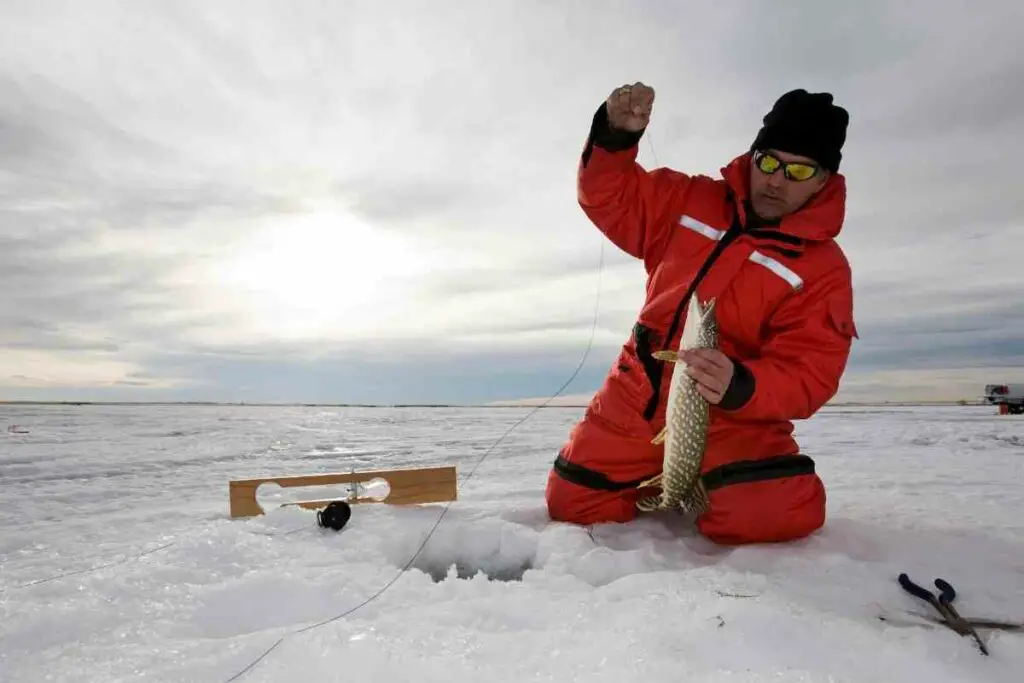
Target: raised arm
(633, 207)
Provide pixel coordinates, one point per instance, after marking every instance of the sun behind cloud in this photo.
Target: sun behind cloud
(322, 272)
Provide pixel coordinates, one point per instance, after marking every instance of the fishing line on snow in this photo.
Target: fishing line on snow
(89, 570)
(405, 568)
(447, 505)
(401, 571)
(124, 560)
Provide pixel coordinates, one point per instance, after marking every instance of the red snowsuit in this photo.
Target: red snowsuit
(785, 313)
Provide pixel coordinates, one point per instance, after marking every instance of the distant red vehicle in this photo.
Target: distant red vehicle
(1009, 397)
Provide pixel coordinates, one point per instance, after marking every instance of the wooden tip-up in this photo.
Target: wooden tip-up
(405, 487)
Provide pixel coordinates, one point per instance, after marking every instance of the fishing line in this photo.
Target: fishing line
(444, 511)
(124, 560)
(651, 144)
(447, 506)
(76, 572)
(401, 572)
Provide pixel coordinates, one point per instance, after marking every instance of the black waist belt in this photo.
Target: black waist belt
(592, 479)
(741, 472)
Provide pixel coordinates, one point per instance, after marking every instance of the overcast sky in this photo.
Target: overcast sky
(375, 202)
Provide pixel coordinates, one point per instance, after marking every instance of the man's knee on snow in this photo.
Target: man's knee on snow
(575, 504)
(770, 511)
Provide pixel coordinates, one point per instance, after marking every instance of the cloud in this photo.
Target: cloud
(244, 199)
(929, 384)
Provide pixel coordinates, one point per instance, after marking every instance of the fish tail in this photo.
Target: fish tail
(697, 500)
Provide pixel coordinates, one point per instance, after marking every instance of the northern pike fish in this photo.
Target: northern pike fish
(686, 421)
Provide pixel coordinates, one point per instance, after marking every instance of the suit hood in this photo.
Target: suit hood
(820, 219)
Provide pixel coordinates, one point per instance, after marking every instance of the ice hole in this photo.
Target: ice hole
(440, 570)
(499, 551)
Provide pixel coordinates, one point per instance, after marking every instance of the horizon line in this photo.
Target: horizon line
(512, 403)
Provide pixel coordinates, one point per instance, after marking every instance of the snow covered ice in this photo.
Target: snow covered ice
(119, 561)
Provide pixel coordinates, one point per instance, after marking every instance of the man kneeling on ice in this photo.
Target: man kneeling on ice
(760, 243)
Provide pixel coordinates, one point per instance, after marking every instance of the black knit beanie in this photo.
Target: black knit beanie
(807, 124)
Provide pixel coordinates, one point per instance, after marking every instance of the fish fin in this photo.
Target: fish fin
(653, 481)
(649, 503)
(702, 501)
(697, 500)
(667, 355)
(660, 437)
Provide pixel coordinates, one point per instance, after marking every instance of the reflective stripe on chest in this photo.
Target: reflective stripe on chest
(758, 257)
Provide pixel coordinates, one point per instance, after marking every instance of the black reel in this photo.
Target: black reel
(335, 515)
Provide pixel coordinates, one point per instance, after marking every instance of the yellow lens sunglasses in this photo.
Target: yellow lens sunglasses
(793, 170)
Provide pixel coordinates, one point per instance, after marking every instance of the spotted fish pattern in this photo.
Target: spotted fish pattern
(686, 422)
